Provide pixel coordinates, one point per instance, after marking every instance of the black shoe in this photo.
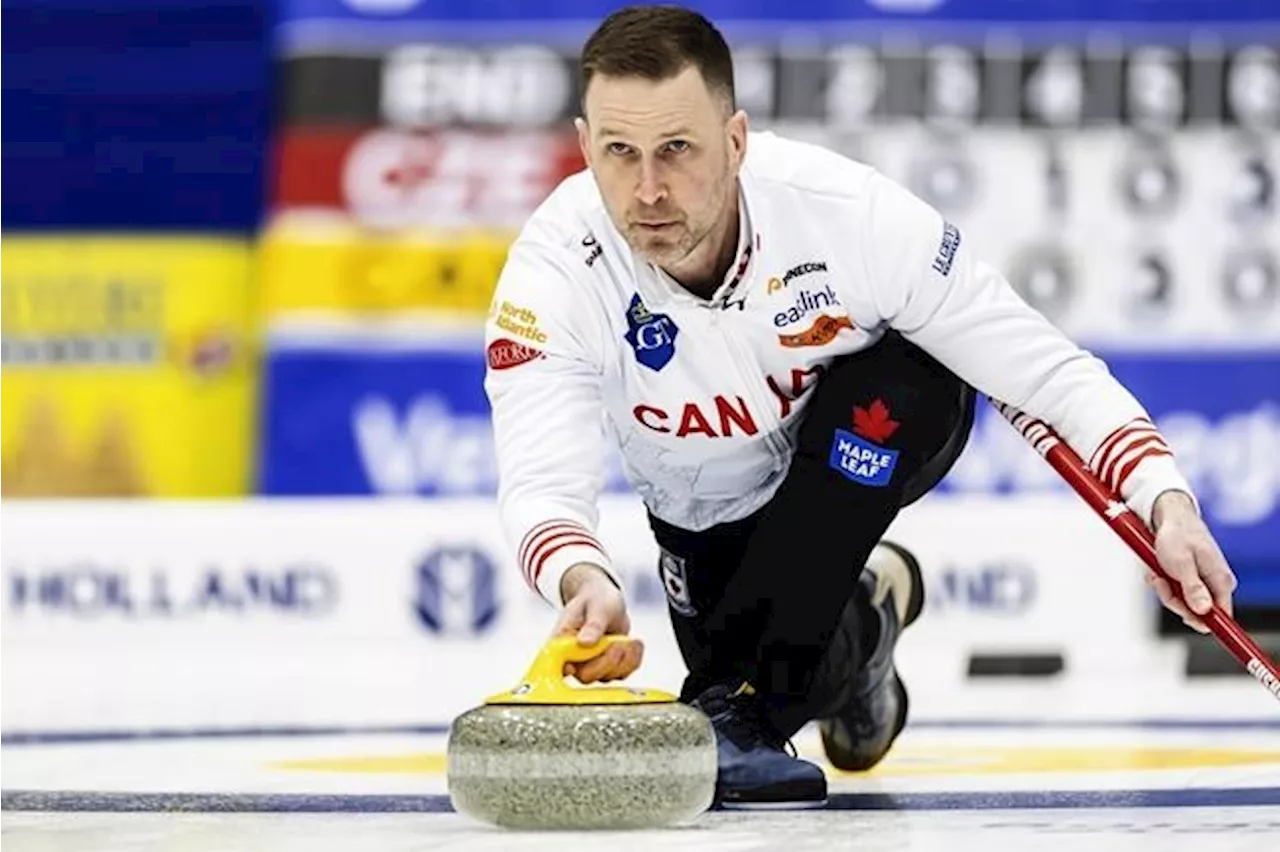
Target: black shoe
(755, 770)
(858, 735)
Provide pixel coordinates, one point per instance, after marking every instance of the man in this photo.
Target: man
(785, 345)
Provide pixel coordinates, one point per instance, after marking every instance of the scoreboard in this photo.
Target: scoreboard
(1002, 80)
(1117, 160)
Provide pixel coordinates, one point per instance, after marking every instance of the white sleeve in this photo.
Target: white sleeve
(543, 381)
(927, 285)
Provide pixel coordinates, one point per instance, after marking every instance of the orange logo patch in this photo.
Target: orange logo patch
(822, 332)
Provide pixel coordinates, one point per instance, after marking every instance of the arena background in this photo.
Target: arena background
(247, 459)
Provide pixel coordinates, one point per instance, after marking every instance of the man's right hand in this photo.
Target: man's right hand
(594, 607)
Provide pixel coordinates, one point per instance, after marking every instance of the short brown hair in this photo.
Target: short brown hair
(657, 43)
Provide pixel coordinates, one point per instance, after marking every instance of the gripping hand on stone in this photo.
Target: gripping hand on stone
(593, 608)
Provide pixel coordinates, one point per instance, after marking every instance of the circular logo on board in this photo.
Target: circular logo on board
(457, 591)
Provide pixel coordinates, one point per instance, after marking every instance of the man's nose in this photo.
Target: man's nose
(651, 188)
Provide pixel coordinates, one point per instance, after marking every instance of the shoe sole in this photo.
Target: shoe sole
(780, 798)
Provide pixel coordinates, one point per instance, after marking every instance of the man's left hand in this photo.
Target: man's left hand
(1190, 556)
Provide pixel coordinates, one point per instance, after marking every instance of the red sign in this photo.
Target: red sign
(393, 178)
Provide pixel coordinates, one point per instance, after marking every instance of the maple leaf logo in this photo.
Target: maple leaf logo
(873, 422)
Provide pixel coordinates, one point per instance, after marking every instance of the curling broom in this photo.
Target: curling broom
(1134, 532)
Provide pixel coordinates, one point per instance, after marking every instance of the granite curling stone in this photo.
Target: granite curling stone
(547, 755)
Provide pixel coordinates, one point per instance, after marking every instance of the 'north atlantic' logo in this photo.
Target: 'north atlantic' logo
(652, 336)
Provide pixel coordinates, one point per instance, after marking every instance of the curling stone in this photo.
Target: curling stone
(548, 755)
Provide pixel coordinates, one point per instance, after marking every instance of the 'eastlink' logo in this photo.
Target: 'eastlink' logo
(806, 302)
(652, 336)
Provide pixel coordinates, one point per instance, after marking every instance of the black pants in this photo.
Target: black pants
(761, 598)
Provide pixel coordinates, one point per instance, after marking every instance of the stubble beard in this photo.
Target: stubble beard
(676, 243)
(664, 249)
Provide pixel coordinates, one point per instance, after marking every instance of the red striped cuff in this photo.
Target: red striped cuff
(548, 537)
(1109, 442)
(1122, 450)
(1122, 475)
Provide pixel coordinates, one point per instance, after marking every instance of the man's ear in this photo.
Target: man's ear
(737, 131)
(584, 138)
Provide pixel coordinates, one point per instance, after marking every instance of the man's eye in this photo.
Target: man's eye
(620, 149)
(677, 146)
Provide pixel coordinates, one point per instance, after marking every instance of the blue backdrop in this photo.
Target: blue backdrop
(135, 114)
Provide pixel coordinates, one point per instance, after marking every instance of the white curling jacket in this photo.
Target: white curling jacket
(586, 341)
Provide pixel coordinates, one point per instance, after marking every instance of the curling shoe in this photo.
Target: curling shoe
(755, 768)
(858, 735)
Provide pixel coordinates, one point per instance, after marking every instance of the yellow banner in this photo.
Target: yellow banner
(354, 271)
(129, 367)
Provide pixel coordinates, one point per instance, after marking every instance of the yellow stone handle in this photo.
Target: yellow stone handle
(548, 666)
(545, 682)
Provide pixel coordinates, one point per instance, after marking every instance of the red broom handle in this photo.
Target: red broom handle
(1135, 533)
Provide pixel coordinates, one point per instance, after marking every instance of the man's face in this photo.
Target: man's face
(665, 158)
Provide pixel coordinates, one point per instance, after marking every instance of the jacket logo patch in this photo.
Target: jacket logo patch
(947, 250)
(806, 302)
(503, 354)
(518, 321)
(822, 332)
(860, 458)
(652, 336)
(874, 422)
(861, 461)
(594, 250)
(675, 581)
(775, 283)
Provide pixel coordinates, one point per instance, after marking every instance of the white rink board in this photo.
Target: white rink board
(402, 611)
